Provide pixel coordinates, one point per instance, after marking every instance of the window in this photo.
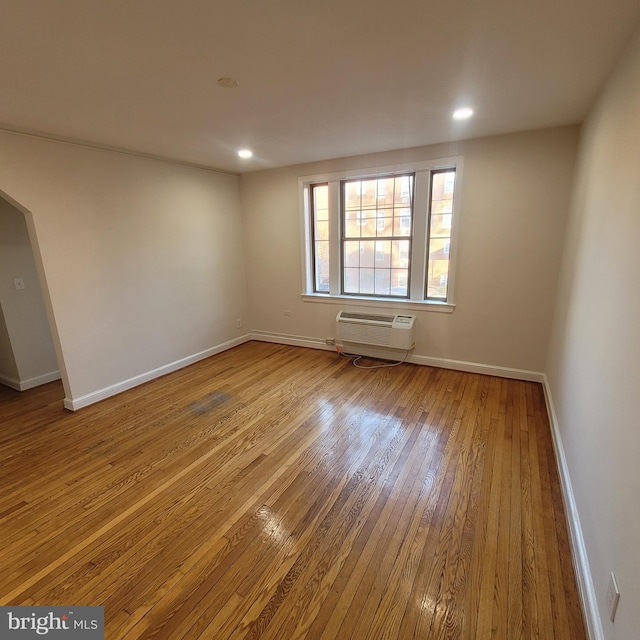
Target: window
(385, 234)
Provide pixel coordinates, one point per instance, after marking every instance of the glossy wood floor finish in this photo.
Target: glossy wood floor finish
(275, 492)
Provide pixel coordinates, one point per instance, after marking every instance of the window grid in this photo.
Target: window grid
(377, 223)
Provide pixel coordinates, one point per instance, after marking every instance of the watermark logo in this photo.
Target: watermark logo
(69, 623)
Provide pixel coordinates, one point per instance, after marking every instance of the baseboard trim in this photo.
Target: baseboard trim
(442, 363)
(38, 380)
(12, 383)
(477, 367)
(30, 383)
(582, 569)
(293, 341)
(73, 404)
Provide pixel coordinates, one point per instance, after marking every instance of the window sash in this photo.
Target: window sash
(367, 234)
(439, 233)
(320, 263)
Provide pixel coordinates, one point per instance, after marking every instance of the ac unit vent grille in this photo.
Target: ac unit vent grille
(364, 316)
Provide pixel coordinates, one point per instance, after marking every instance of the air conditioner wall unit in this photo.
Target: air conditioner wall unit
(377, 330)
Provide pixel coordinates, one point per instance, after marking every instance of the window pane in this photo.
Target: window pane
(438, 274)
(369, 228)
(385, 192)
(439, 250)
(352, 229)
(369, 194)
(442, 192)
(383, 282)
(352, 254)
(367, 281)
(400, 254)
(321, 195)
(351, 280)
(322, 230)
(402, 226)
(322, 266)
(384, 224)
(403, 188)
(399, 282)
(385, 227)
(352, 195)
(440, 226)
(383, 254)
(367, 254)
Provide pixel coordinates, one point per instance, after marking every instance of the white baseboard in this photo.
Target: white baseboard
(12, 383)
(30, 383)
(477, 367)
(578, 547)
(83, 401)
(38, 380)
(294, 341)
(442, 363)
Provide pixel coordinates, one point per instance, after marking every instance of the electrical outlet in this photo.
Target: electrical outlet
(613, 597)
(330, 341)
(238, 323)
(18, 283)
(286, 312)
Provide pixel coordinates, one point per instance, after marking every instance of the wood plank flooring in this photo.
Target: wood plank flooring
(280, 493)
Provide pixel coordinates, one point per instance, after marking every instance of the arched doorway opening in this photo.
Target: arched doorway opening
(30, 353)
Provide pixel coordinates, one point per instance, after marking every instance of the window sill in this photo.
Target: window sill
(390, 303)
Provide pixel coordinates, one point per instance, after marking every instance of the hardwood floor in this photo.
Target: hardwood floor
(275, 492)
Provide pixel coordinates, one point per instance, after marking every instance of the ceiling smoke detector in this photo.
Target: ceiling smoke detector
(227, 83)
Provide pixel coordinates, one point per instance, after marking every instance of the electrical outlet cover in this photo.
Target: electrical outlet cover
(613, 596)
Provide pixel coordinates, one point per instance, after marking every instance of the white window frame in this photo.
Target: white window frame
(419, 254)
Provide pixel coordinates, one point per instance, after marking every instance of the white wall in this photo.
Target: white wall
(25, 317)
(515, 196)
(143, 259)
(594, 356)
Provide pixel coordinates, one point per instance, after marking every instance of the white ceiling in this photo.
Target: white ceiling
(318, 78)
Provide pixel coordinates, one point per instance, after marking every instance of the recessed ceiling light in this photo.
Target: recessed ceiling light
(463, 113)
(227, 83)
(245, 153)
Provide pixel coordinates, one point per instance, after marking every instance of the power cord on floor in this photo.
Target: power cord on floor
(355, 358)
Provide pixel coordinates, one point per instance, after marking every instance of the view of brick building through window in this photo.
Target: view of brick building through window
(320, 208)
(376, 241)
